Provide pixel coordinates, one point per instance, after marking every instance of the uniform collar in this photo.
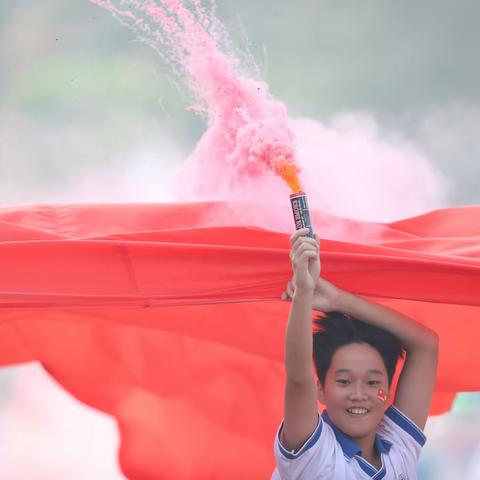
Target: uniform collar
(349, 446)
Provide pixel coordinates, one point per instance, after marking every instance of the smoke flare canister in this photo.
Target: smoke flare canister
(301, 214)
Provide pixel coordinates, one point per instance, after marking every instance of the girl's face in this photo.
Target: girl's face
(351, 390)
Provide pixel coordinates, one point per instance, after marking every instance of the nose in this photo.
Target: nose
(358, 392)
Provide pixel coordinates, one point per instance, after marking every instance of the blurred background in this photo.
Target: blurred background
(89, 114)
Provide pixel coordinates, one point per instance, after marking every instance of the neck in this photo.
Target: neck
(367, 445)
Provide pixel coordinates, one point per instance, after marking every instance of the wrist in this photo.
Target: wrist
(303, 294)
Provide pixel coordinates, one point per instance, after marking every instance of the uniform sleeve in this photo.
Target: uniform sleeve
(407, 437)
(314, 460)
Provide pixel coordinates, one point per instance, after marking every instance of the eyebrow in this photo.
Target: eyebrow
(372, 370)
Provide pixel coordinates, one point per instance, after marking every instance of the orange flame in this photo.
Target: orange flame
(289, 172)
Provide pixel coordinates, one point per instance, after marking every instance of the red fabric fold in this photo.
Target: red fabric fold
(167, 316)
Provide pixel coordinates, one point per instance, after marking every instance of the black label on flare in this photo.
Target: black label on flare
(301, 214)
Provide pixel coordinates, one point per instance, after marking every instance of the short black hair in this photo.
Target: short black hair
(334, 330)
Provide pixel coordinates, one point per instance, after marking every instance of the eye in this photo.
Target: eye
(343, 381)
(374, 382)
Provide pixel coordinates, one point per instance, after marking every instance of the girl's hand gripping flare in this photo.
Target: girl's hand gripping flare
(305, 258)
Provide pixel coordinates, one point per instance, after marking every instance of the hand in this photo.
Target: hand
(305, 258)
(325, 294)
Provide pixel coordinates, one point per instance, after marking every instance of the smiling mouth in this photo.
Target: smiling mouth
(357, 411)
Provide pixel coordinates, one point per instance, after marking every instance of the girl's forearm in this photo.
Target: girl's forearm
(412, 334)
(298, 348)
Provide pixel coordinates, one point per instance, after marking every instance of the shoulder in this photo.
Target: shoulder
(397, 423)
(405, 437)
(318, 452)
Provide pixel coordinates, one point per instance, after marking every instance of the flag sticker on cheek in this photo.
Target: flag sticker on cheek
(382, 395)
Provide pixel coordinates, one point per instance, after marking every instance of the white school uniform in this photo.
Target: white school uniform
(330, 454)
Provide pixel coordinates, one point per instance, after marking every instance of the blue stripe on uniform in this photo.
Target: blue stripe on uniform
(370, 470)
(308, 444)
(406, 424)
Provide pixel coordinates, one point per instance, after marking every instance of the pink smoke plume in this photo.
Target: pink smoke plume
(248, 130)
(349, 166)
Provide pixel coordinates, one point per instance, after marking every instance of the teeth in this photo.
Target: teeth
(357, 411)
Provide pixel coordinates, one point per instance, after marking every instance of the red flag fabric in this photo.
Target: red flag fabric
(168, 316)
